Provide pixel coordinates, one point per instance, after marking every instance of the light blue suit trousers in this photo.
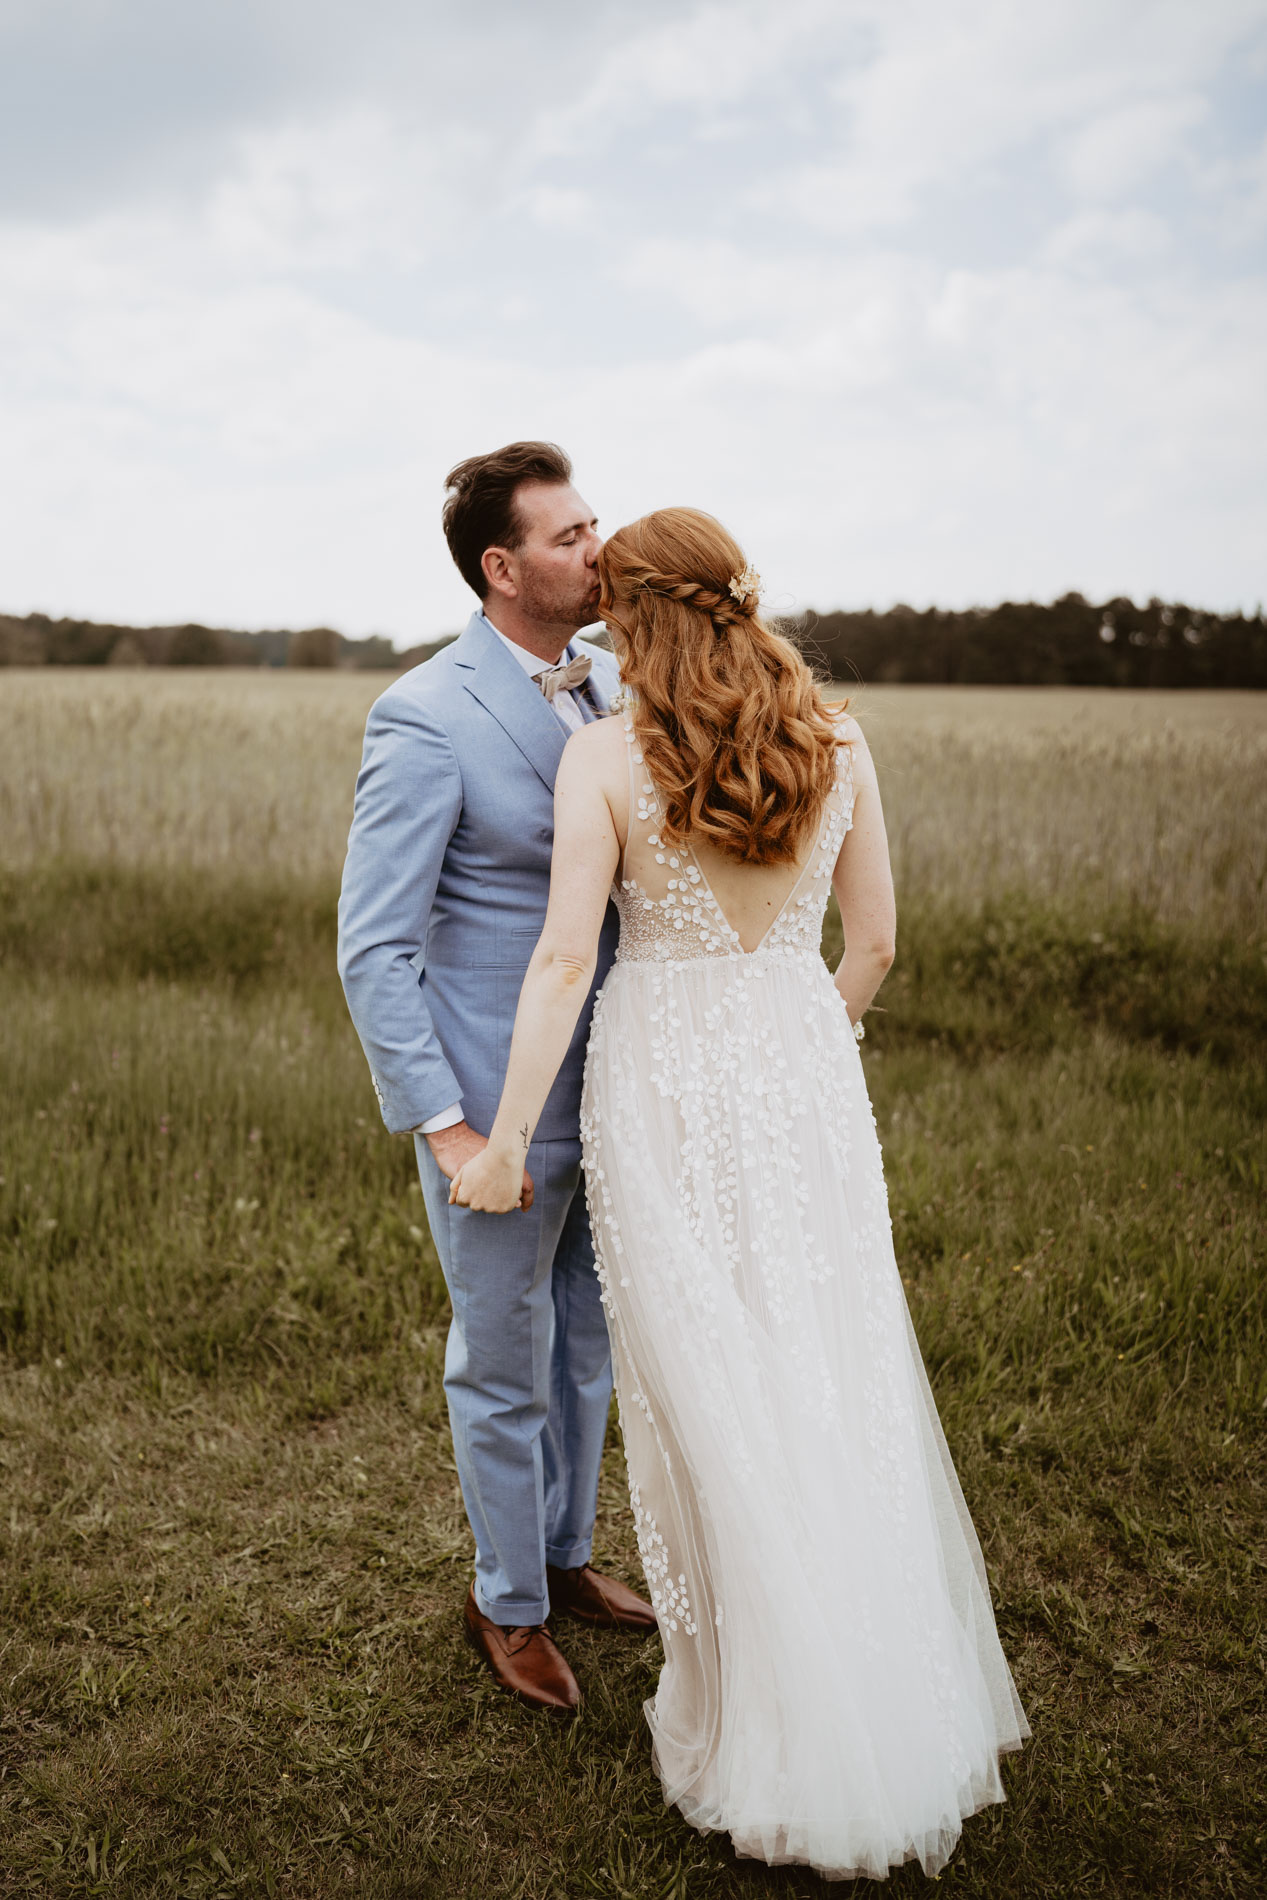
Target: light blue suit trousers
(527, 1373)
(444, 895)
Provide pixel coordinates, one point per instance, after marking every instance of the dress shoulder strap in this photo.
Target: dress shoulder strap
(845, 787)
(642, 806)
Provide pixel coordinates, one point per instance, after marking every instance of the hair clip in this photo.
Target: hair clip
(746, 586)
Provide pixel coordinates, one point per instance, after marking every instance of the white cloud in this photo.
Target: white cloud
(559, 207)
(1099, 240)
(1235, 195)
(932, 301)
(721, 55)
(1119, 151)
(351, 191)
(953, 92)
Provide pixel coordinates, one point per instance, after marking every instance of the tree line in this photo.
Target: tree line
(1071, 642)
(38, 640)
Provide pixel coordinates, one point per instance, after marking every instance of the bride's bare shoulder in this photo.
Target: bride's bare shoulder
(847, 727)
(597, 740)
(597, 751)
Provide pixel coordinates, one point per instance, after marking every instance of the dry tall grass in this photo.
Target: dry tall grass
(1074, 795)
(1083, 799)
(226, 772)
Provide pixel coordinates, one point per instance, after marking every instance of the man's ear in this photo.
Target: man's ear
(497, 572)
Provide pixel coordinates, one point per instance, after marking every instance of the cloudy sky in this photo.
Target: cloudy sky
(930, 300)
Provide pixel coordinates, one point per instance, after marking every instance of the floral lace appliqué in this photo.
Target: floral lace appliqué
(683, 921)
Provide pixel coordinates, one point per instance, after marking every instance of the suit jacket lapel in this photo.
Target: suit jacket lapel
(497, 680)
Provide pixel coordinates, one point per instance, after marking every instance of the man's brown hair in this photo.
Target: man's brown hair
(479, 505)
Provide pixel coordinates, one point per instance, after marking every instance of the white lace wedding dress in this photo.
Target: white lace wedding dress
(833, 1692)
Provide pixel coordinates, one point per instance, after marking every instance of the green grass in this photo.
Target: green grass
(233, 1544)
(234, 1548)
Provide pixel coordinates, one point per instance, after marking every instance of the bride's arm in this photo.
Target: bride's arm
(586, 852)
(863, 883)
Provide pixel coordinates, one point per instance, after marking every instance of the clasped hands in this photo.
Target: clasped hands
(488, 1181)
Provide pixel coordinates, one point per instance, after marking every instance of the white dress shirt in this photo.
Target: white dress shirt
(570, 714)
(571, 718)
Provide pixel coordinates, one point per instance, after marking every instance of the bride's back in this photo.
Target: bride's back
(749, 895)
(688, 898)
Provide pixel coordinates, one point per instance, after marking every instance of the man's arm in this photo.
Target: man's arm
(408, 801)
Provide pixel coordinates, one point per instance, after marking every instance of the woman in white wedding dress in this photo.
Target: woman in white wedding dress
(834, 1693)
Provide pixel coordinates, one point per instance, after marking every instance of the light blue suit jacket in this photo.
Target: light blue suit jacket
(446, 880)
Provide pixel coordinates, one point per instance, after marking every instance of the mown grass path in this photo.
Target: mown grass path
(233, 1546)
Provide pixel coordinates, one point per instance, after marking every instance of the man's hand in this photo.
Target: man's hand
(454, 1146)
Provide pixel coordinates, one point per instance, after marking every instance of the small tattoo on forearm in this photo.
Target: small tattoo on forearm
(523, 1133)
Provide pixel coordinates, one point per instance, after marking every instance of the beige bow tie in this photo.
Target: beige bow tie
(561, 679)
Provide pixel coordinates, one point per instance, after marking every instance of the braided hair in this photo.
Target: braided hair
(732, 727)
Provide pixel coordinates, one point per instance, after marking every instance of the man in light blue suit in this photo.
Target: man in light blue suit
(444, 895)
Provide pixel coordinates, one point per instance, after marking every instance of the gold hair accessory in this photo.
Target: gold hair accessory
(745, 586)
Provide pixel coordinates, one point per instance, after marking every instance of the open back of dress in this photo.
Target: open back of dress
(692, 901)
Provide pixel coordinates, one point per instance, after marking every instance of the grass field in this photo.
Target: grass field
(233, 1542)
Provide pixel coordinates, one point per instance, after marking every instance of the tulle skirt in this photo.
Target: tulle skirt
(834, 1692)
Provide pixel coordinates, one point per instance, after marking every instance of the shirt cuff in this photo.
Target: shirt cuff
(447, 1118)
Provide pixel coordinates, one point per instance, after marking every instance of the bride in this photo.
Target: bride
(833, 1691)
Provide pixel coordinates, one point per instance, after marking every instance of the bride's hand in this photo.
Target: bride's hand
(491, 1183)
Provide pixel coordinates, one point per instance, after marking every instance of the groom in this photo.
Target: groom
(444, 896)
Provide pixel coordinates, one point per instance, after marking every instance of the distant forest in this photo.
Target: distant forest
(1072, 642)
(36, 640)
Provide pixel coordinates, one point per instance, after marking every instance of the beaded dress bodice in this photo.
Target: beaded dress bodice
(668, 910)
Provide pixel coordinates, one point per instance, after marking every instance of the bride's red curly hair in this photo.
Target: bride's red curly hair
(732, 726)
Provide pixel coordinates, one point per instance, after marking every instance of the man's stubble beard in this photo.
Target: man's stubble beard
(551, 607)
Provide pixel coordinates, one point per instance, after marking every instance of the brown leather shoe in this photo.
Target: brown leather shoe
(526, 1662)
(596, 1599)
